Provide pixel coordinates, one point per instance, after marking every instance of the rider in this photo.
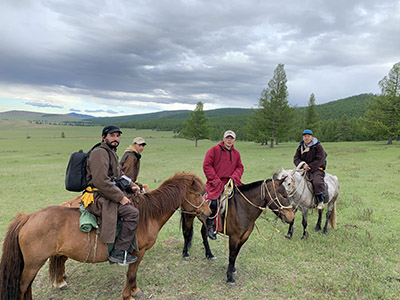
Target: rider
(110, 197)
(130, 161)
(311, 152)
(222, 162)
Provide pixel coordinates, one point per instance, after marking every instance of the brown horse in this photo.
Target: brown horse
(54, 231)
(244, 207)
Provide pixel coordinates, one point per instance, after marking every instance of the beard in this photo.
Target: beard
(112, 144)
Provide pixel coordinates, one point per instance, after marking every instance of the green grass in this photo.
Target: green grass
(359, 260)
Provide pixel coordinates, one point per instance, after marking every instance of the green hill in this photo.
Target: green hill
(36, 116)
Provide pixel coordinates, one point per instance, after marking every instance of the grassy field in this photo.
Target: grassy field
(359, 260)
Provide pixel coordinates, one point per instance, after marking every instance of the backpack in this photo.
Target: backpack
(75, 176)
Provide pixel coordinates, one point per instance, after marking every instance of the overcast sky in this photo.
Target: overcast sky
(109, 58)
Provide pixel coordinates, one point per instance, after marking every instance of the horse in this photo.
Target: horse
(243, 208)
(54, 232)
(302, 198)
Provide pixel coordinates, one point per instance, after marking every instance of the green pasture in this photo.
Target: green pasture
(359, 260)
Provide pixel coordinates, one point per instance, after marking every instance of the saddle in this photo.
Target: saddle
(310, 187)
(226, 194)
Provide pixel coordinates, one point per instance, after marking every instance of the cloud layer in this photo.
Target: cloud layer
(129, 56)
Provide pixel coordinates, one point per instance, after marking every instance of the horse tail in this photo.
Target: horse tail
(333, 217)
(12, 261)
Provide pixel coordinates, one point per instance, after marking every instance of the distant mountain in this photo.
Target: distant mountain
(36, 116)
(81, 116)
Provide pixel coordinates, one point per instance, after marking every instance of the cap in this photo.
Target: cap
(229, 133)
(139, 140)
(307, 131)
(110, 129)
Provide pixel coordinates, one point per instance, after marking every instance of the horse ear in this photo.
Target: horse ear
(280, 181)
(282, 169)
(275, 176)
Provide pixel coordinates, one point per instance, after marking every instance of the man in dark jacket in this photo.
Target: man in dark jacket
(221, 163)
(311, 152)
(130, 161)
(110, 201)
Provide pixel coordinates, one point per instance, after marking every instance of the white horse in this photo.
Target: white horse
(300, 193)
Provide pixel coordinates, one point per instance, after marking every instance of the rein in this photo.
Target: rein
(195, 206)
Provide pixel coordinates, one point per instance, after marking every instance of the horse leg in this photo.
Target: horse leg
(289, 234)
(28, 275)
(57, 271)
(207, 248)
(318, 225)
(234, 248)
(328, 215)
(187, 229)
(304, 223)
(131, 289)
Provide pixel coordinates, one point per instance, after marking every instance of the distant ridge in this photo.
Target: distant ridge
(81, 116)
(36, 116)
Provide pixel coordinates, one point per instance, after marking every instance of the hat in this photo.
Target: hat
(229, 133)
(307, 131)
(139, 140)
(110, 129)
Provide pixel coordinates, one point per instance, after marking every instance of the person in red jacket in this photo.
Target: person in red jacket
(221, 163)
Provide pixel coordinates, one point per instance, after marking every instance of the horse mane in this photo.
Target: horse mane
(249, 186)
(170, 193)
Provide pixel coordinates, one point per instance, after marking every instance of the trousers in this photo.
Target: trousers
(318, 182)
(130, 221)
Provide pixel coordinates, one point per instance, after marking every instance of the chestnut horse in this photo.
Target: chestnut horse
(244, 207)
(54, 231)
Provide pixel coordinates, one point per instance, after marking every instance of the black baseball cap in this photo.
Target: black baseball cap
(110, 129)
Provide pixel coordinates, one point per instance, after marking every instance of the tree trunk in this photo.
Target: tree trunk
(276, 142)
(272, 143)
(390, 141)
(195, 142)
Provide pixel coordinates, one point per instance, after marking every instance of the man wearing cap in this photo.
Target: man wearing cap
(311, 152)
(130, 161)
(110, 200)
(221, 163)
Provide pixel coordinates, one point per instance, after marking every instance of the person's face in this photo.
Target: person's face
(228, 141)
(139, 147)
(307, 138)
(112, 139)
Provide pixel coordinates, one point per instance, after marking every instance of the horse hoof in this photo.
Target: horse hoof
(317, 228)
(305, 236)
(211, 257)
(138, 294)
(186, 258)
(288, 236)
(231, 284)
(63, 287)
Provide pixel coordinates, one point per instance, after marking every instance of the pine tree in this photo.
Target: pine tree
(383, 114)
(270, 120)
(196, 127)
(311, 115)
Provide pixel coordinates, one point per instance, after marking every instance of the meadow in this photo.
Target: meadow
(359, 260)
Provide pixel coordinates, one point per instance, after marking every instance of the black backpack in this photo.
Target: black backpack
(75, 177)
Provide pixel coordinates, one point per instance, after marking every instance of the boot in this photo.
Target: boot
(321, 204)
(122, 257)
(210, 229)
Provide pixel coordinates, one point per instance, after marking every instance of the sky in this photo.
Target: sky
(111, 58)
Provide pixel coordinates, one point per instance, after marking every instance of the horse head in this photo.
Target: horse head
(194, 202)
(279, 201)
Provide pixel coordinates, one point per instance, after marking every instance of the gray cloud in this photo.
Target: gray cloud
(74, 110)
(40, 104)
(220, 52)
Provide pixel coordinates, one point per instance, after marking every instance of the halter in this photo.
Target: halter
(263, 188)
(195, 206)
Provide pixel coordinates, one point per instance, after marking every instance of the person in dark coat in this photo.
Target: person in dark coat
(222, 162)
(110, 201)
(311, 152)
(130, 161)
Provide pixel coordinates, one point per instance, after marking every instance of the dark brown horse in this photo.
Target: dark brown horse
(244, 207)
(54, 231)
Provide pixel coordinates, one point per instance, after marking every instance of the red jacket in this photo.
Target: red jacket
(219, 165)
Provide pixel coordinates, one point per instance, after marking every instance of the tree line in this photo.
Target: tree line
(377, 117)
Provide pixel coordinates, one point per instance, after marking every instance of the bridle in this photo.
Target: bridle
(194, 206)
(274, 200)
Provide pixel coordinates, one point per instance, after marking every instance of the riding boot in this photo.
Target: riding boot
(321, 204)
(210, 220)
